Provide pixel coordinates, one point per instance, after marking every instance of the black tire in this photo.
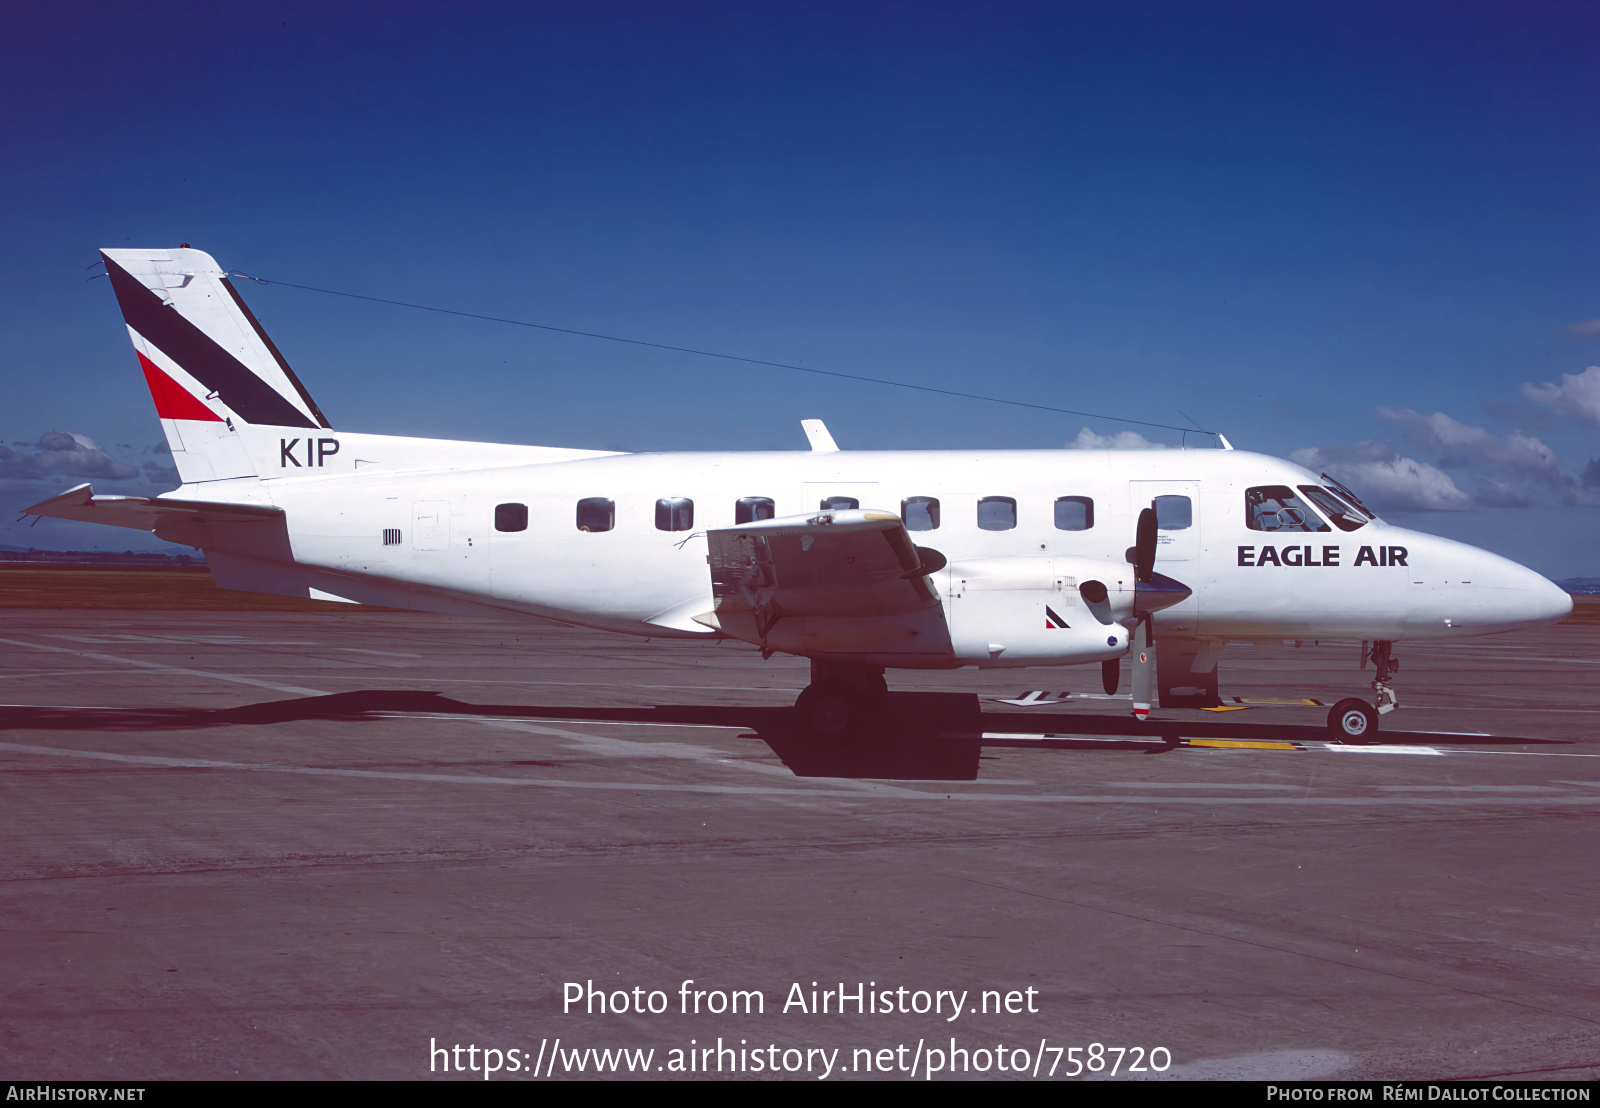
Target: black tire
(1353, 721)
(829, 711)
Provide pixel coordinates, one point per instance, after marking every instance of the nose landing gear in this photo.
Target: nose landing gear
(1356, 721)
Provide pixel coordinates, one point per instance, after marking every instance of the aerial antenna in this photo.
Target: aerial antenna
(714, 354)
(1199, 428)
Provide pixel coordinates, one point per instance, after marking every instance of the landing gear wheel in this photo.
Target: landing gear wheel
(830, 710)
(1353, 721)
(1110, 675)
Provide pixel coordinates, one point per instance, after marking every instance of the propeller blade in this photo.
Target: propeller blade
(1151, 593)
(1143, 650)
(1144, 546)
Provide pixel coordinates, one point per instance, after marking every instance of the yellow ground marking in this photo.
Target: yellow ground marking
(1228, 708)
(1234, 743)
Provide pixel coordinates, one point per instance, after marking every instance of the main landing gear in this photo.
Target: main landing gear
(1356, 721)
(840, 699)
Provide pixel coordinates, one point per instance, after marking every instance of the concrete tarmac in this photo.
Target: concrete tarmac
(306, 845)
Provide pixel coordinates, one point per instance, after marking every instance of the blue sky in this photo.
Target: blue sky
(1363, 231)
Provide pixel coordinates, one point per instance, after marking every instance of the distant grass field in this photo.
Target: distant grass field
(1585, 609)
(55, 586)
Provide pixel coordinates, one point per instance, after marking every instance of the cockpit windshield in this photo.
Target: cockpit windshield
(1344, 517)
(1347, 496)
(1277, 508)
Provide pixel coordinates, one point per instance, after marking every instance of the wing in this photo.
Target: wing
(833, 582)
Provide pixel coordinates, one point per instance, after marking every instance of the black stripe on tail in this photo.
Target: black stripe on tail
(272, 347)
(251, 398)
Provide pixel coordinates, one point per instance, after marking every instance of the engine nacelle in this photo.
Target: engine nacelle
(1008, 612)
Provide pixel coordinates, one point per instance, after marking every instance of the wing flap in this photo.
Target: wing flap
(854, 571)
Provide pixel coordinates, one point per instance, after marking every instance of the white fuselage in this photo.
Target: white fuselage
(443, 550)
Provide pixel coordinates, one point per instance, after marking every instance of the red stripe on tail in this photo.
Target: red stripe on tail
(173, 401)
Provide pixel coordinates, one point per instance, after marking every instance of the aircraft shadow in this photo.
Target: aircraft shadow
(917, 736)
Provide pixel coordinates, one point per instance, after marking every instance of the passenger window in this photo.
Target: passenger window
(1277, 508)
(1173, 513)
(920, 513)
(675, 513)
(997, 513)
(839, 503)
(510, 517)
(749, 509)
(1074, 513)
(596, 513)
(1343, 516)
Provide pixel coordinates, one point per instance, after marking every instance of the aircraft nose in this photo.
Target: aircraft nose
(1548, 601)
(1528, 599)
(1508, 596)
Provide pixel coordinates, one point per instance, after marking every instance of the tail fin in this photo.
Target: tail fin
(210, 366)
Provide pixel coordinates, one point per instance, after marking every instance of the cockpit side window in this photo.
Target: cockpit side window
(1343, 516)
(1277, 508)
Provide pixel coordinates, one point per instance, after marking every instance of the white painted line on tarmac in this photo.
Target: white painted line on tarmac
(449, 778)
(832, 787)
(1455, 734)
(78, 707)
(1379, 748)
(238, 679)
(609, 746)
(410, 715)
(1524, 753)
(1192, 785)
(1468, 788)
(1028, 736)
(553, 719)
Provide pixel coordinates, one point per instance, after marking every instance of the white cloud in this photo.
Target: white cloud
(1122, 440)
(60, 459)
(1577, 395)
(1585, 328)
(1377, 473)
(1510, 471)
(73, 455)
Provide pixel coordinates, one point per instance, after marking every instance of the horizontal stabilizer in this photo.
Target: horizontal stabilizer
(144, 513)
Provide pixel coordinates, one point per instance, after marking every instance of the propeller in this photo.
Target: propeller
(1152, 592)
(1144, 547)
